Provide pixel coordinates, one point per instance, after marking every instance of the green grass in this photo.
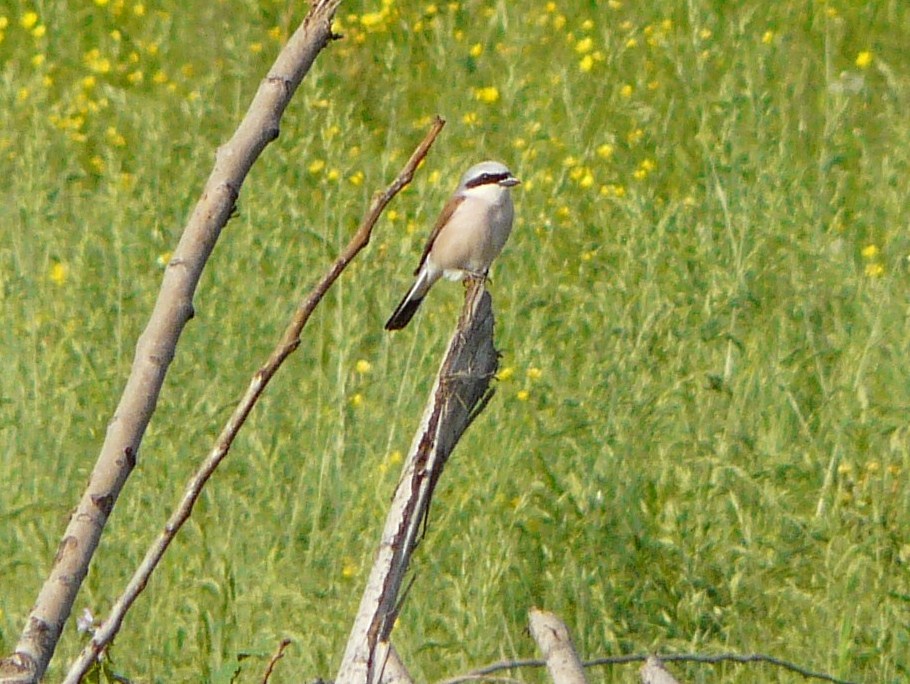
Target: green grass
(701, 440)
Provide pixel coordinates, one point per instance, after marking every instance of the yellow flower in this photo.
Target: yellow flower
(875, 270)
(135, 77)
(316, 166)
(634, 136)
(275, 33)
(631, 43)
(584, 46)
(705, 33)
(4, 22)
(363, 366)
(626, 91)
(476, 50)
(159, 77)
(28, 20)
(356, 178)
(357, 400)
(333, 174)
(767, 37)
(864, 59)
(605, 151)
(522, 395)
(372, 19)
(163, 259)
(470, 119)
(39, 31)
(586, 64)
(505, 373)
(534, 373)
(256, 47)
(487, 95)
(38, 60)
(58, 273)
(139, 9)
(551, 7)
(869, 251)
(348, 569)
(114, 137)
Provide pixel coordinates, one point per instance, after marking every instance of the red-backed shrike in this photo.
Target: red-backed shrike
(469, 233)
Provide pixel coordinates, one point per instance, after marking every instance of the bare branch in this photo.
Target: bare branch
(278, 655)
(395, 672)
(554, 642)
(464, 376)
(289, 341)
(156, 346)
(483, 672)
(654, 672)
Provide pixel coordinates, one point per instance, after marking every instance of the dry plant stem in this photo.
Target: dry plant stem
(279, 654)
(156, 346)
(289, 341)
(554, 642)
(459, 392)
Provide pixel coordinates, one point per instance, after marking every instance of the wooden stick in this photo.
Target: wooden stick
(461, 388)
(552, 637)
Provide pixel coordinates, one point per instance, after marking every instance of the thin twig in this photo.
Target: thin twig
(480, 672)
(278, 655)
(289, 341)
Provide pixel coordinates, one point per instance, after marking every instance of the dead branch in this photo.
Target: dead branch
(486, 670)
(654, 672)
(395, 672)
(554, 642)
(461, 385)
(156, 346)
(289, 341)
(278, 655)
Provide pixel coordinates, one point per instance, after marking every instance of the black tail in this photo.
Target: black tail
(404, 313)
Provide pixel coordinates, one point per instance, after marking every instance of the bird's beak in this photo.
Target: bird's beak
(509, 182)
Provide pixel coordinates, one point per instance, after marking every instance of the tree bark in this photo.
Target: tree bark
(460, 392)
(555, 644)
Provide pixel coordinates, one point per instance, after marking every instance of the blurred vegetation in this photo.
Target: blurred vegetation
(700, 436)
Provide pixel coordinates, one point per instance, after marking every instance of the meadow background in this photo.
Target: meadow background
(700, 439)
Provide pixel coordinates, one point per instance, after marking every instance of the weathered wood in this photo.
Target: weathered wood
(459, 393)
(555, 644)
(654, 672)
(394, 671)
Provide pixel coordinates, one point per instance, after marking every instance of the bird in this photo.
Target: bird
(470, 232)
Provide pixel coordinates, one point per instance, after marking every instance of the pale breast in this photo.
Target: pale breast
(474, 236)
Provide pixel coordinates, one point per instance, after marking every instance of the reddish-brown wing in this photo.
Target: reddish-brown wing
(443, 219)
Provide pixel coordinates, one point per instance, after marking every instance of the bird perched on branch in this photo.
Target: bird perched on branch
(469, 233)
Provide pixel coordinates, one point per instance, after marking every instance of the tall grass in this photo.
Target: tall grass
(700, 438)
